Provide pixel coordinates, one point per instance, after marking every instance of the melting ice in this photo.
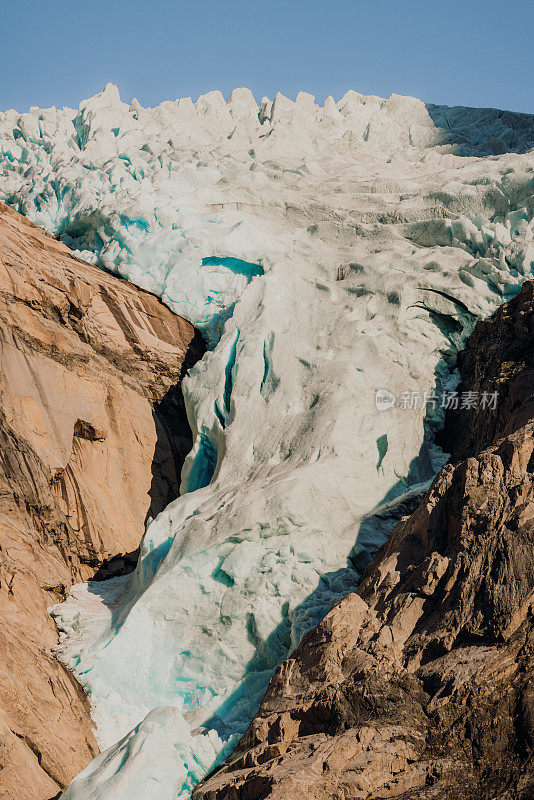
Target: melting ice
(325, 253)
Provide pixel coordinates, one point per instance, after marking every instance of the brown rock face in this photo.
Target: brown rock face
(92, 436)
(420, 684)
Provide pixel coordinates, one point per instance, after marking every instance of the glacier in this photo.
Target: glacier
(326, 253)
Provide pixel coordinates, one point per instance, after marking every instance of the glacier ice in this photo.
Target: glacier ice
(326, 253)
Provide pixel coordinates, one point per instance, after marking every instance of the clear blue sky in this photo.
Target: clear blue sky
(470, 52)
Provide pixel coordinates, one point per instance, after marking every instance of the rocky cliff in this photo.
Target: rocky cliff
(419, 685)
(92, 437)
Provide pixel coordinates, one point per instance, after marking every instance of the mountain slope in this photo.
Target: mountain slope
(419, 685)
(84, 456)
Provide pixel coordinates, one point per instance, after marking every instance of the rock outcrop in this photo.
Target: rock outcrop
(92, 436)
(419, 685)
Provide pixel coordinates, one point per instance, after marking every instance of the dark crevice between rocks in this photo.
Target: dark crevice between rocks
(121, 564)
(173, 443)
(174, 436)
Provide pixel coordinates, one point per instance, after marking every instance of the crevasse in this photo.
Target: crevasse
(325, 253)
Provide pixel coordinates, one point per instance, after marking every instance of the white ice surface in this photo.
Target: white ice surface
(325, 253)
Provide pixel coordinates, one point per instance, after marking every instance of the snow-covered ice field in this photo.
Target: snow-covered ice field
(325, 253)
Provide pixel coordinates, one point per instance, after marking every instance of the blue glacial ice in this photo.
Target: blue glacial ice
(325, 253)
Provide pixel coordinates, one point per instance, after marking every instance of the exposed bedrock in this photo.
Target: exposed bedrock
(419, 685)
(92, 437)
